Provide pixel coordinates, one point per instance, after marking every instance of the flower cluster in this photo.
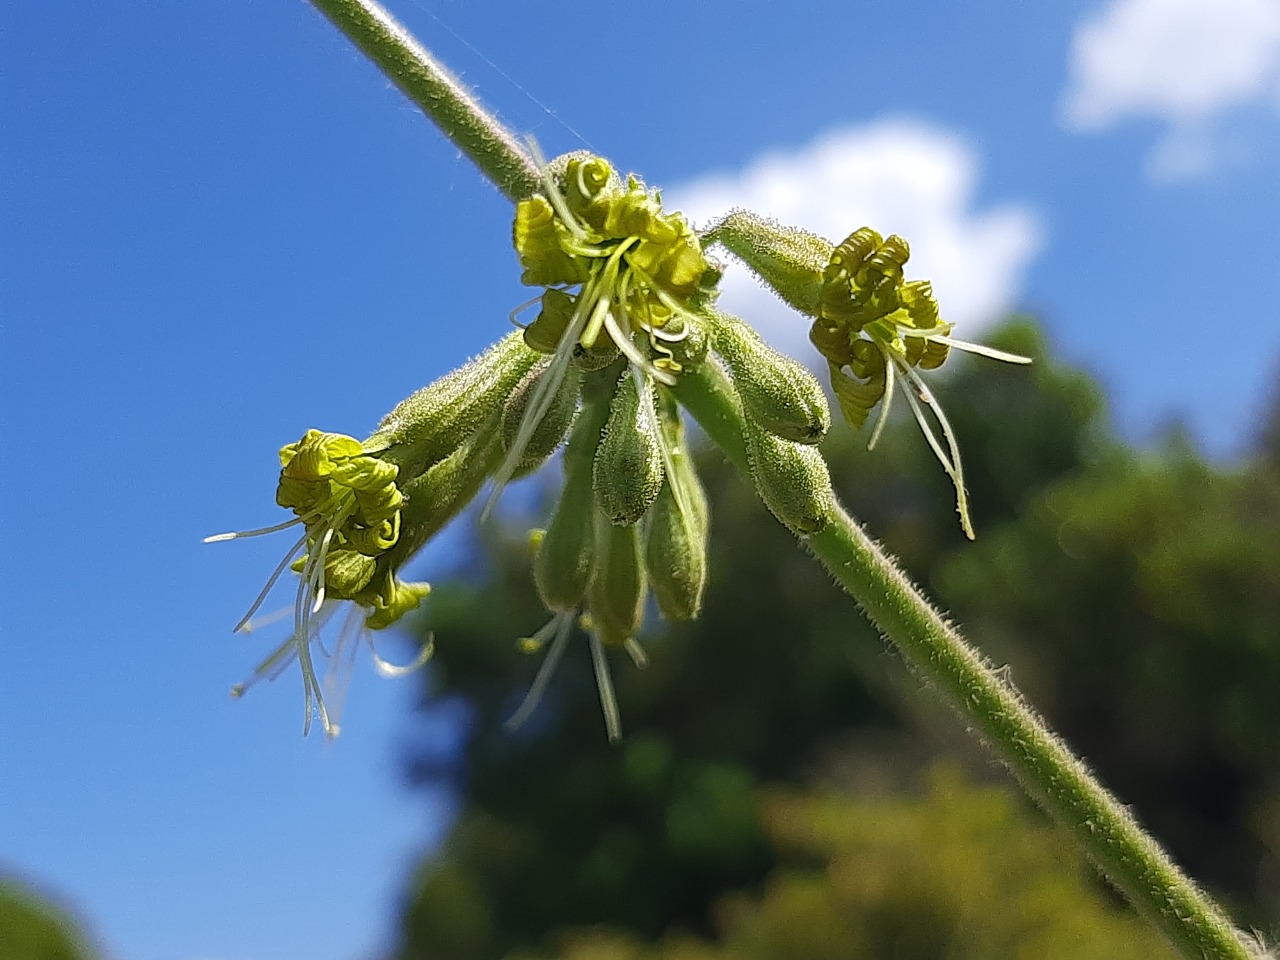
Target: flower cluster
(874, 328)
(626, 332)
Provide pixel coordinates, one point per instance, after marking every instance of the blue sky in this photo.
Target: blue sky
(223, 227)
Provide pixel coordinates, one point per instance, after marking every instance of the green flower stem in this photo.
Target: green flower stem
(428, 84)
(995, 710)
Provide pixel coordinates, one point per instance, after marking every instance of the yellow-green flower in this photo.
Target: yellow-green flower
(883, 329)
(349, 505)
(620, 271)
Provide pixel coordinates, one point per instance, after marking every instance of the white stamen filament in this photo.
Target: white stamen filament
(636, 652)
(514, 315)
(953, 467)
(554, 196)
(271, 582)
(393, 670)
(544, 395)
(604, 684)
(633, 353)
(261, 531)
(981, 350)
(889, 377)
(927, 429)
(561, 624)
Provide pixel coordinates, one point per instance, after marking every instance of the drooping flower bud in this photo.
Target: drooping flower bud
(792, 480)
(777, 392)
(789, 260)
(550, 431)
(562, 565)
(677, 528)
(628, 466)
(615, 596)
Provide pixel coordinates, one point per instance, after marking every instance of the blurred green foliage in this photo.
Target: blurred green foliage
(961, 873)
(1135, 597)
(33, 928)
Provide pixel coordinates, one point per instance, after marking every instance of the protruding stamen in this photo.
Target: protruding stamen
(392, 670)
(636, 652)
(633, 353)
(261, 531)
(885, 402)
(604, 684)
(514, 314)
(562, 624)
(953, 467)
(981, 350)
(271, 582)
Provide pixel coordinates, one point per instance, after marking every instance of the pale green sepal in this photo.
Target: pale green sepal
(677, 529)
(789, 260)
(436, 497)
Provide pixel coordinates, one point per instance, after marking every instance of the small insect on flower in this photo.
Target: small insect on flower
(350, 508)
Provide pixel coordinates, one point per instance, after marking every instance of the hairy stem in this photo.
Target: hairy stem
(427, 83)
(994, 709)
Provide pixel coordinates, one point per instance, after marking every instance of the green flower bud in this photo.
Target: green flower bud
(616, 593)
(792, 480)
(555, 423)
(789, 260)
(677, 528)
(628, 467)
(562, 565)
(432, 423)
(777, 392)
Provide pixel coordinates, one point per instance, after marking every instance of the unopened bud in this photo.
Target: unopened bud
(628, 467)
(789, 260)
(562, 565)
(792, 480)
(777, 393)
(676, 534)
(617, 590)
(548, 434)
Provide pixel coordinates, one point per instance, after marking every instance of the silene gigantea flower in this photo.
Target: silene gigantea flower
(365, 507)
(349, 506)
(883, 330)
(874, 328)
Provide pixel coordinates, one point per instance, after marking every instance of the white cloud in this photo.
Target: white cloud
(897, 175)
(1186, 62)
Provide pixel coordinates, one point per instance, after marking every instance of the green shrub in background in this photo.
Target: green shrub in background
(962, 873)
(33, 928)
